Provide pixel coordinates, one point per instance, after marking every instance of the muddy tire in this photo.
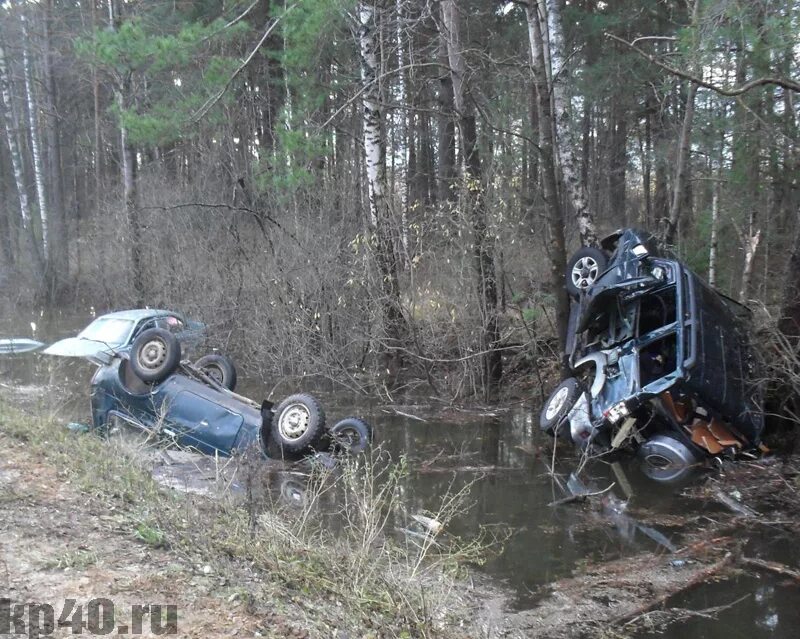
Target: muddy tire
(351, 435)
(155, 355)
(219, 368)
(583, 269)
(298, 424)
(560, 402)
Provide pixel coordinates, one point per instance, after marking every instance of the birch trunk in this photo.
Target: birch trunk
(33, 123)
(375, 162)
(556, 243)
(712, 249)
(566, 145)
(17, 166)
(483, 257)
(750, 243)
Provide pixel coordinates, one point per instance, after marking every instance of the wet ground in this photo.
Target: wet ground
(636, 523)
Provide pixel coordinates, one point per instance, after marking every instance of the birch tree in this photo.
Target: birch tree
(566, 144)
(556, 243)
(17, 165)
(33, 123)
(375, 163)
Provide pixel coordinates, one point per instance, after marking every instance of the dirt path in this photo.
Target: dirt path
(58, 543)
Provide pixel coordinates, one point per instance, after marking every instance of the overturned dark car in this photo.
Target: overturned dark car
(144, 382)
(661, 363)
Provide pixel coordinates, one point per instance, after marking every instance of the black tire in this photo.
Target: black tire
(583, 268)
(560, 402)
(351, 435)
(155, 355)
(298, 424)
(219, 368)
(293, 492)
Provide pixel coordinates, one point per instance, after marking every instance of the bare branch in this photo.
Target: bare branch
(789, 85)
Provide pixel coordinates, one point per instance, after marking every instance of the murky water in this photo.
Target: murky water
(506, 460)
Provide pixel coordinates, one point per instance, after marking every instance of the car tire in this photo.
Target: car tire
(155, 355)
(219, 368)
(351, 435)
(560, 402)
(298, 424)
(583, 269)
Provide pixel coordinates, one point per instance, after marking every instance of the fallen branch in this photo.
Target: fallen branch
(771, 566)
(702, 577)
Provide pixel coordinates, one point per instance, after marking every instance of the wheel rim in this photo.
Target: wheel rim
(555, 405)
(348, 437)
(585, 272)
(214, 372)
(153, 354)
(294, 421)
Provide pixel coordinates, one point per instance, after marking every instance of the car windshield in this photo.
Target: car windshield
(109, 330)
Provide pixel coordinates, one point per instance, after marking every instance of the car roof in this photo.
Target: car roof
(138, 314)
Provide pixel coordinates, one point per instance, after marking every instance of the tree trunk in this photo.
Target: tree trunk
(564, 138)
(679, 194)
(681, 166)
(394, 323)
(556, 243)
(712, 249)
(33, 123)
(58, 259)
(17, 165)
(483, 257)
(447, 129)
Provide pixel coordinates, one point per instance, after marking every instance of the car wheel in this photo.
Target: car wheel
(667, 459)
(351, 435)
(155, 355)
(298, 424)
(219, 368)
(560, 402)
(583, 269)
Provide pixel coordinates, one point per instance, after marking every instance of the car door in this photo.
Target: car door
(199, 422)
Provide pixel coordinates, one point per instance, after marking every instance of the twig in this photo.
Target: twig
(581, 496)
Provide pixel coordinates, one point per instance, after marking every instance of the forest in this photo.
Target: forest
(386, 192)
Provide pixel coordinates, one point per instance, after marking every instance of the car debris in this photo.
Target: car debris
(660, 362)
(19, 346)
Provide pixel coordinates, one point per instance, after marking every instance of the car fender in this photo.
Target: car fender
(600, 360)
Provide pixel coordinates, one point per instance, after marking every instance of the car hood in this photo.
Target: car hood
(97, 352)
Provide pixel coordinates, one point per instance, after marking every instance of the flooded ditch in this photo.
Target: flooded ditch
(551, 553)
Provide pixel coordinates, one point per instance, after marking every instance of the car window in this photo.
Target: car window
(171, 323)
(657, 310)
(109, 330)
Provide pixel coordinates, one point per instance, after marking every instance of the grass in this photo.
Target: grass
(355, 574)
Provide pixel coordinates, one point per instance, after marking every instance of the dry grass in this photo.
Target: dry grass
(348, 558)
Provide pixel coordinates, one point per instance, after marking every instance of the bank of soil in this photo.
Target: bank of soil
(58, 542)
